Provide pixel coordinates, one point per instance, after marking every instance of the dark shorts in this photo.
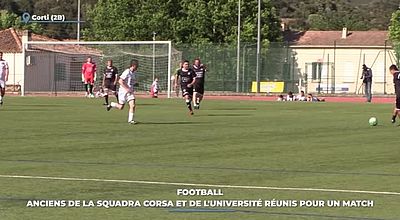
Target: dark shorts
(199, 88)
(398, 102)
(397, 92)
(186, 91)
(108, 84)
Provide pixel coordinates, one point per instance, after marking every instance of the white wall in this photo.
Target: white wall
(16, 64)
(347, 68)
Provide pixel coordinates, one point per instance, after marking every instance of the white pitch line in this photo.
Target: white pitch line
(203, 185)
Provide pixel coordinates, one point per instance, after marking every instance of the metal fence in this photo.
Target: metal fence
(330, 69)
(276, 64)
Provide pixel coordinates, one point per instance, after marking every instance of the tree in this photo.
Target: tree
(26, 6)
(112, 20)
(356, 15)
(270, 22)
(394, 32)
(335, 16)
(317, 22)
(378, 13)
(8, 19)
(65, 7)
(183, 21)
(9, 5)
(11, 20)
(394, 28)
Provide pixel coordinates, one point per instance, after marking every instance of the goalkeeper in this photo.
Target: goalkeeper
(89, 76)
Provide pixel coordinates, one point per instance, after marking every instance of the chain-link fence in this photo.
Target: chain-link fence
(331, 69)
(337, 69)
(276, 64)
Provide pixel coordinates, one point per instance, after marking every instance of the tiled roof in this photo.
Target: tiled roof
(11, 42)
(328, 38)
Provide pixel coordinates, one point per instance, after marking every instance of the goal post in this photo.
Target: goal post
(55, 66)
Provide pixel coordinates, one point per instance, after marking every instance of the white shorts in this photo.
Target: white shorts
(124, 97)
(2, 84)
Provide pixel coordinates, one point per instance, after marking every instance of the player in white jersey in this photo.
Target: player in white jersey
(127, 81)
(3, 77)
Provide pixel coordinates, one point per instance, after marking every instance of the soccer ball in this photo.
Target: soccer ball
(373, 121)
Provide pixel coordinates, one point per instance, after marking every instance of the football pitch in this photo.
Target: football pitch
(73, 149)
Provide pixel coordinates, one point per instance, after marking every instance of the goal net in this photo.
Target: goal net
(55, 66)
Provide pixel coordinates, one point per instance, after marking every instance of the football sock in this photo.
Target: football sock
(106, 98)
(189, 105)
(90, 88)
(113, 104)
(86, 88)
(394, 118)
(116, 96)
(130, 117)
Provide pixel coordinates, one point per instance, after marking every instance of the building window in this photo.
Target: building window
(316, 70)
(320, 71)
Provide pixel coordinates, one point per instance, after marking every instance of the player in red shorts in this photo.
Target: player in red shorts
(89, 76)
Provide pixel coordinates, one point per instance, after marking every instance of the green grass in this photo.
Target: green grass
(306, 145)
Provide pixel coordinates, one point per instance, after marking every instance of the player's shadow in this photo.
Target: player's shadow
(147, 104)
(27, 110)
(169, 123)
(224, 115)
(41, 105)
(233, 109)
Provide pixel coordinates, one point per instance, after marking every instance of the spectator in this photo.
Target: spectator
(290, 96)
(301, 97)
(155, 88)
(311, 98)
(367, 81)
(281, 98)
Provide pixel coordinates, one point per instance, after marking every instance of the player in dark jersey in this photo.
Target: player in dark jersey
(187, 78)
(110, 79)
(175, 81)
(198, 87)
(396, 80)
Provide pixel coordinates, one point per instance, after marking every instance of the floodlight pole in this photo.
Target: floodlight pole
(79, 21)
(238, 51)
(244, 63)
(258, 46)
(384, 69)
(154, 56)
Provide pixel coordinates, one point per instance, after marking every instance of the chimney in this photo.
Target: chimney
(344, 33)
